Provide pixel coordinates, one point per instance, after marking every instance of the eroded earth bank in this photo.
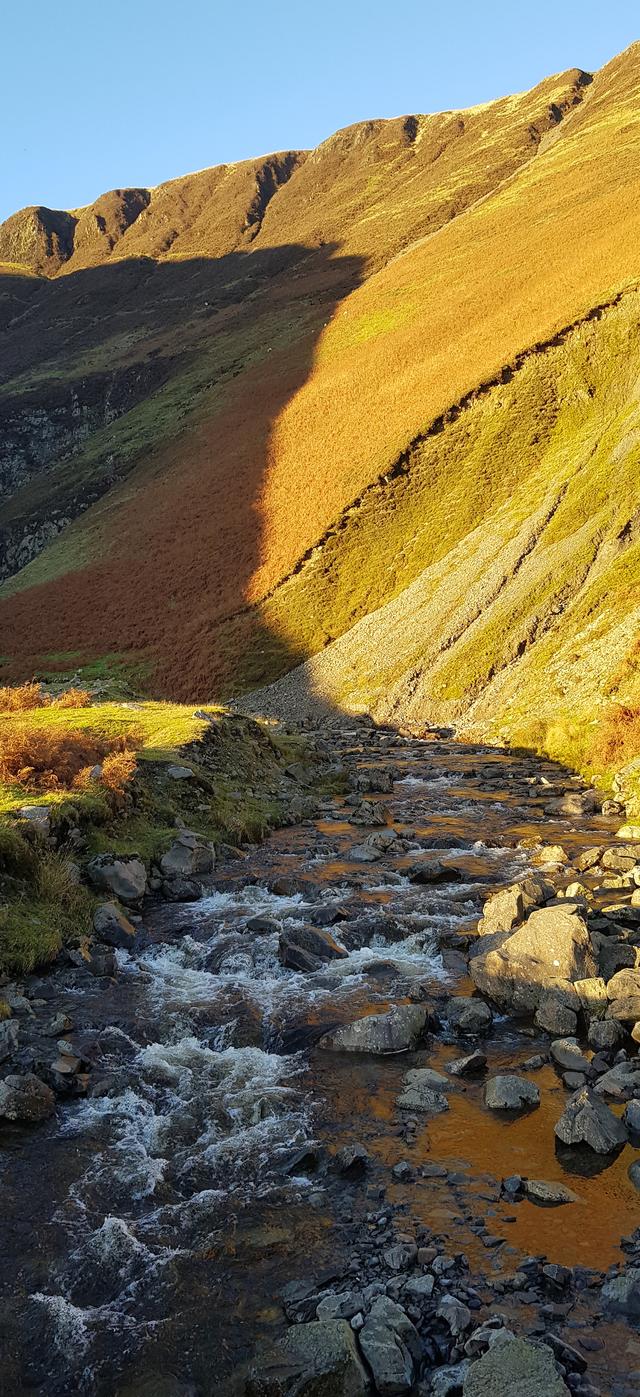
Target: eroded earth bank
(359, 1119)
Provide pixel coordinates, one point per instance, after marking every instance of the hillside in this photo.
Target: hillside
(375, 403)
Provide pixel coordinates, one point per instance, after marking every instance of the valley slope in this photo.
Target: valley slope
(377, 404)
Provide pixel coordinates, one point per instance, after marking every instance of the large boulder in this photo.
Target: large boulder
(112, 927)
(586, 1120)
(507, 1092)
(390, 1345)
(190, 855)
(26, 1098)
(319, 1359)
(396, 1031)
(307, 948)
(515, 1368)
(122, 875)
(516, 968)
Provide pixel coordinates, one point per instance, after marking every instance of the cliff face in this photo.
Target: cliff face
(374, 403)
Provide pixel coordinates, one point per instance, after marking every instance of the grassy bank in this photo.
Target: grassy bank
(100, 775)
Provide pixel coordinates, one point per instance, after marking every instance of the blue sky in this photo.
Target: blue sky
(99, 95)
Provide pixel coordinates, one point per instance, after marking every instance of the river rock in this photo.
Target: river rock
(423, 1090)
(468, 1066)
(622, 1081)
(190, 855)
(447, 1382)
(633, 1173)
(631, 1117)
(592, 994)
(364, 853)
(548, 1195)
(515, 1368)
(396, 1031)
(605, 1035)
(123, 875)
(517, 967)
(455, 1314)
(621, 1294)
(466, 1014)
(112, 927)
(323, 1350)
(9, 1034)
(308, 948)
(586, 1120)
(26, 1098)
(557, 1010)
(507, 1092)
(390, 1343)
(567, 1055)
(508, 907)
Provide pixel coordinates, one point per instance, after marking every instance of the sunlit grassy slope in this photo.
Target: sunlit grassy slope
(414, 388)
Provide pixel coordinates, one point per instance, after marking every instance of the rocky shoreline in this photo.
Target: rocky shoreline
(552, 959)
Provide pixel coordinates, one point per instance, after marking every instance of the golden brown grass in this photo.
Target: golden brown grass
(618, 737)
(17, 698)
(51, 758)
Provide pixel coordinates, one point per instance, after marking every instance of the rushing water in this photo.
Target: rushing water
(151, 1226)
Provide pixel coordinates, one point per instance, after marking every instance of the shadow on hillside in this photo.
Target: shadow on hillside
(179, 373)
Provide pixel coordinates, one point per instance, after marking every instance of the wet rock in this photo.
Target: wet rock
(264, 925)
(567, 1055)
(352, 1161)
(60, 1023)
(588, 859)
(422, 1091)
(112, 927)
(181, 889)
(621, 1294)
(515, 1366)
(26, 1098)
(308, 948)
(368, 813)
(343, 1306)
(373, 779)
(9, 1034)
(633, 1173)
(553, 945)
(419, 1287)
(396, 1031)
(125, 876)
(586, 1120)
(389, 1342)
(364, 853)
(469, 1015)
(549, 1195)
(469, 1066)
(321, 1356)
(510, 1093)
(433, 871)
(98, 960)
(190, 856)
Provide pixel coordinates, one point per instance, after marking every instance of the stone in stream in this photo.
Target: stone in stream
(321, 1356)
(123, 875)
(605, 1035)
(26, 1098)
(364, 853)
(455, 1314)
(586, 1120)
(264, 925)
(468, 1066)
(567, 1055)
(352, 1161)
(515, 1368)
(433, 871)
(308, 948)
(112, 927)
(190, 856)
(558, 1008)
(368, 813)
(548, 1195)
(466, 1014)
(515, 968)
(507, 1092)
(396, 1031)
(622, 1081)
(634, 1173)
(424, 1090)
(391, 1346)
